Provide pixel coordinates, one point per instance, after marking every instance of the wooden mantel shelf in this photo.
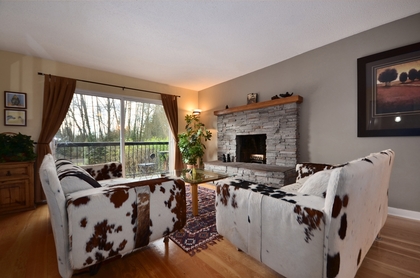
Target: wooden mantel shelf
(258, 105)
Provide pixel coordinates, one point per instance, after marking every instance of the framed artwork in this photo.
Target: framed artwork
(14, 100)
(388, 97)
(252, 98)
(14, 117)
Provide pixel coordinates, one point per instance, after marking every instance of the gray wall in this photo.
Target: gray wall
(327, 80)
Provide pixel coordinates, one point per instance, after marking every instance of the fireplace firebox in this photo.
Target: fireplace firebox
(251, 148)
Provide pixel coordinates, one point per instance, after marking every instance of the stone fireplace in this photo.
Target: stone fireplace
(270, 128)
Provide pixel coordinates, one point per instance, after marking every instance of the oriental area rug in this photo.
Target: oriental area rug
(200, 231)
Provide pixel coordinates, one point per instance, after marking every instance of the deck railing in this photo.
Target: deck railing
(141, 158)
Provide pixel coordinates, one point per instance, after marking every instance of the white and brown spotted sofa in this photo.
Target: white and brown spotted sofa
(92, 223)
(322, 226)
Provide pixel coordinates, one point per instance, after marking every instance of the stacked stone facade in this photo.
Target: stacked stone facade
(280, 123)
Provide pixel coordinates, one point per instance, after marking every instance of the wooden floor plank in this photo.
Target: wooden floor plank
(27, 250)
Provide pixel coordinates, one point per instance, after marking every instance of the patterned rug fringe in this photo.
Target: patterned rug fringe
(204, 245)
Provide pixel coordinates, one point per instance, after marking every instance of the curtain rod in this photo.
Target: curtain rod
(111, 85)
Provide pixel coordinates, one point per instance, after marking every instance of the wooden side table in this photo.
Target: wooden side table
(16, 186)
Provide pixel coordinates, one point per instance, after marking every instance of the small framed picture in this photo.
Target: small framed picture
(14, 117)
(252, 98)
(14, 100)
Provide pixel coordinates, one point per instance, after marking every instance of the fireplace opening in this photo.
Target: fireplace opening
(251, 148)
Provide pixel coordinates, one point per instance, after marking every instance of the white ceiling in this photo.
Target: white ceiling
(189, 44)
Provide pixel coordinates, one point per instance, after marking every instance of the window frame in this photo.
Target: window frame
(122, 99)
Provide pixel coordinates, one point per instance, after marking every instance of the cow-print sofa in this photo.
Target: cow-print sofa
(321, 226)
(92, 223)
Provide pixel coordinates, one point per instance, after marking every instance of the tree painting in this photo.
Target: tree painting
(398, 88)
(388, 76)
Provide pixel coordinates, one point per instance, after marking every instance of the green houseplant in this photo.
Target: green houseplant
(16, 147)
(191, 141)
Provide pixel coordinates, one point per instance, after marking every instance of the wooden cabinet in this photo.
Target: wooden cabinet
(16, 186)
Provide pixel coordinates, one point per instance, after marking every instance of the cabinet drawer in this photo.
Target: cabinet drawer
(17, 171)
(16, 186)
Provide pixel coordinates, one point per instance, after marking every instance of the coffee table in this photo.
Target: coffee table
(194, 179)
(187, 175)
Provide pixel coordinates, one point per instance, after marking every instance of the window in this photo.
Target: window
(91, 133)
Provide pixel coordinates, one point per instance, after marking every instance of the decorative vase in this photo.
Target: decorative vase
(194, 173)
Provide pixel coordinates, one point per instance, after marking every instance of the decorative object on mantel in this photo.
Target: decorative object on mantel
(224, 157)
(286, 94)
(228, 158)
(190, 142)
(16, 147)
(252, 98)
(227, 107)
(282, 95)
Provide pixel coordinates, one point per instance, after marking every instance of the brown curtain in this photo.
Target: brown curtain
(170, 105)
(58, 93)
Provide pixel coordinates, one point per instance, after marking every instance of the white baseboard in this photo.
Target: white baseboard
(404, 213)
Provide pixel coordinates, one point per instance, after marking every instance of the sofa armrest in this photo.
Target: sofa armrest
(109, 221)
(168, 206)
(167, 203)
(356, 208)
(293, 224)
(270, 224)
(102, 224)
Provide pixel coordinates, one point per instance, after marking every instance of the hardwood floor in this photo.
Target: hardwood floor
(27, 250)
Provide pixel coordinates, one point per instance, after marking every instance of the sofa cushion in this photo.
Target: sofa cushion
(316, 184)
(307, 169)
(104, 171)
(294, 187)
(73, 178)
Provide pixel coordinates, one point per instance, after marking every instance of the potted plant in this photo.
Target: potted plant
(190, 142)
(16, 147)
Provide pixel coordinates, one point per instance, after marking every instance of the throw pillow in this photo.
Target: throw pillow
(104, 171)
(307, 169)
(316, 184)
(73, 178)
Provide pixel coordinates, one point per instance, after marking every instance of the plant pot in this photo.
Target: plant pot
(190, 166)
